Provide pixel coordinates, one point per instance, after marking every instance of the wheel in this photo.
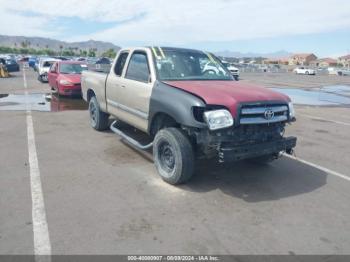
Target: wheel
(173, 156)
(236, 78)
(98, 119)
(264, 160)
(40, 79)
(307, 72)
(44, 78)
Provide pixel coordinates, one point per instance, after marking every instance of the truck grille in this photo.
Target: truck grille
(263, 114)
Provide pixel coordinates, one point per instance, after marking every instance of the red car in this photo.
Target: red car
(65, 77)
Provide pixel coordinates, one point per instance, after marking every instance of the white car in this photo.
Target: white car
(210, 67)
(44, 67)
(304, 71)
(234, 70)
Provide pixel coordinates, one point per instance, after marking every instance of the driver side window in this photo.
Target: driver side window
(138, 67)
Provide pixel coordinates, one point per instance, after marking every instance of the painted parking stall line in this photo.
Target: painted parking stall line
(328, 171)
(326, 120)
(42, 245)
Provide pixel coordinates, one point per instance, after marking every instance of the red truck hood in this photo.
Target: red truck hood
(74, 78)
(228, 93)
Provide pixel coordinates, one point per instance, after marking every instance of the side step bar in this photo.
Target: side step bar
(130, 140)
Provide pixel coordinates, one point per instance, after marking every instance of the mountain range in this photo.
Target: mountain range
(41, 42)
(278, 54)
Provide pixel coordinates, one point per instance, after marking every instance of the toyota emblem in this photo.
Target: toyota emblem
(269, 114)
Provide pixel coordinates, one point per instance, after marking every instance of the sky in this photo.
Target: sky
(259, 26)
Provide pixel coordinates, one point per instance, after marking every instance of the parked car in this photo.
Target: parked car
(188, 111)
(102, 64)
(44, 67)
(234, 70)
(344, 72)
(65, 77)
(10, 64)
(338, 71)
(212, 68)
(304, 71)
(31, 62)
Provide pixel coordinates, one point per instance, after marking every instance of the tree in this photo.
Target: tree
(91, 52)
(109, 53)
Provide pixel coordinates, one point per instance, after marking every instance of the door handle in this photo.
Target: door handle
(123, 86)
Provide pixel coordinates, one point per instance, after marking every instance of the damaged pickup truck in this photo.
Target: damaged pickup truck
(187, 111)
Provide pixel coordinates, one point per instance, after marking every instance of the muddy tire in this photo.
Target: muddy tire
(173, 156)
(98, 119)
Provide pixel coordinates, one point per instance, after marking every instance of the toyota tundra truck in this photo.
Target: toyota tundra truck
(187, 111)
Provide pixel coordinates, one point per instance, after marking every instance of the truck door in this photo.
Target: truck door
(138, 88)
(114, 83)
(135, 89)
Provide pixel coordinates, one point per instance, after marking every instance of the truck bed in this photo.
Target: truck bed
(95, 81)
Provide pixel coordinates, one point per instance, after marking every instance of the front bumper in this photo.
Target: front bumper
(235, 153)
(69, 90)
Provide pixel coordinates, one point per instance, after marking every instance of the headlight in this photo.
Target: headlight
(291, 110)
(65, 82)
(217, 119)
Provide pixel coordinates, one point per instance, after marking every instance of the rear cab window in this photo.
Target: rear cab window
(138, 68)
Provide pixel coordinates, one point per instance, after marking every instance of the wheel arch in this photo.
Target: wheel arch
(161, 120)
(173, 105)
(89, 94)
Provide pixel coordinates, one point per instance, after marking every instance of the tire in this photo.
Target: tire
(264, 160)
(307, 72)
(98, 119)
(40, 79)
(44, 78)
(236, 78)
(173, 156)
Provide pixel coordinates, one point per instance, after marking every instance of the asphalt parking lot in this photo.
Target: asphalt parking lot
(103, 197)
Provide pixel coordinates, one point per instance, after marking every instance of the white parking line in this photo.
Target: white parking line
(324, 119)
(328, 171)
(42, 245)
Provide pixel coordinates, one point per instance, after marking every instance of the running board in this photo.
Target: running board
(130, 140)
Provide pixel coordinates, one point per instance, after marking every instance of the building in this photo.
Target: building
(276, 61)
(301, 59)
(324, 62)
(344, 60)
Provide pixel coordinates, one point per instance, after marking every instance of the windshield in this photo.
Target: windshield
(72, 68)
(188, 65)
(48, 63)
